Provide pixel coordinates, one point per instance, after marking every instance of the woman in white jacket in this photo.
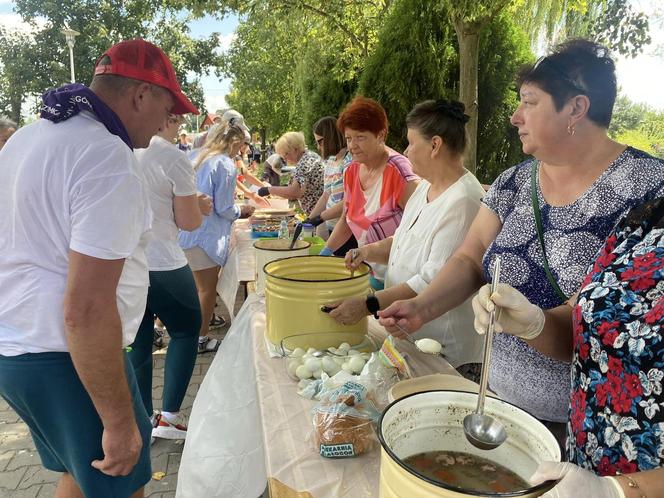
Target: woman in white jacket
(434, 224)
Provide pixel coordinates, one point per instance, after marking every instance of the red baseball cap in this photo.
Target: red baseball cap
(143, 61)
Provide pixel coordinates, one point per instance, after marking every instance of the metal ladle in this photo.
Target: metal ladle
(482, 431)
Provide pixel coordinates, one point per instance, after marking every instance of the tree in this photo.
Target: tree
(16, 68)
(626, 116)
(282, 85)
(613, 23)
(262, 61)
(347, 27)
(105, 22)
(321, 90)
(504, 48)
(427, 67)
(469, 17)
(639, 126)
(424, 67)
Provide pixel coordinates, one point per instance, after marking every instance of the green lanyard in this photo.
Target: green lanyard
(540, 232)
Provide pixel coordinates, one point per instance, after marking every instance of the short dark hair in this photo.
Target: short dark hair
(333, 140)
(444, 118)
(576, 67)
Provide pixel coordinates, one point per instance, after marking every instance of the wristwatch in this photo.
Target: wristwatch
(372, 305)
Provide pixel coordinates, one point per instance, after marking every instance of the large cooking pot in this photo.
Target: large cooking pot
(297, 287)
(433, 421)
(270, 249)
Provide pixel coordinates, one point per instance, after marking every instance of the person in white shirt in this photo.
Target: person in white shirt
(73, 273)
(434, 223)
(172, 295)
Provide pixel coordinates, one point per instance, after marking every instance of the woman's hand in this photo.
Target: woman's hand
(573, 479)
(355, 257)
(401, 317)
(349, 311)
(516, 315)
(260, 201)
(204, 204)
(313, 221)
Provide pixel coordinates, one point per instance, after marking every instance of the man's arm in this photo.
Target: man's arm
(94, 335)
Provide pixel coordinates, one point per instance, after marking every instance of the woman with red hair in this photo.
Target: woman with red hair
(377, 183)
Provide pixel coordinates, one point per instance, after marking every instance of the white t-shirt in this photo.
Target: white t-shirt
(168, 173)
(70, 185)
(428, 235)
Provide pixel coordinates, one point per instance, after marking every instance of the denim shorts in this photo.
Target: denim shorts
(46, 392)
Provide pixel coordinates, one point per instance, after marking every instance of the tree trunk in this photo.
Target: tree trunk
(15, 104)
(263, 145)
(468, 35)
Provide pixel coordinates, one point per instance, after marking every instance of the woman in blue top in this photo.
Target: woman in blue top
(207, 247)
(579, 183)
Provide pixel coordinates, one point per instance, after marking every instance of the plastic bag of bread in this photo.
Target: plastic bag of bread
(344, 422)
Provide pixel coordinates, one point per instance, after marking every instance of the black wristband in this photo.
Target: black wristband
(372, 305)
(264, 191)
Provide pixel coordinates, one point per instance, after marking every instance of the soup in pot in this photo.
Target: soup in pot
(466, 471)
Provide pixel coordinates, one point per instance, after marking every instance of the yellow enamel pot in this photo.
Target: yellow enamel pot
(271, 249)
(433, 421)
(295, 290)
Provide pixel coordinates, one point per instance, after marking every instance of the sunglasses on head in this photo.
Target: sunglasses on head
(545, 61)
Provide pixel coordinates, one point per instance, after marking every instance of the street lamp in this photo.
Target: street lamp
(70, 36)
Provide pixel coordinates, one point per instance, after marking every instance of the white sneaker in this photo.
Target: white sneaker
(153, 422)
(208, 344)
(167, 429)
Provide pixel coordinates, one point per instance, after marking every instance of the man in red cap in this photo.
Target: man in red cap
(73, 274)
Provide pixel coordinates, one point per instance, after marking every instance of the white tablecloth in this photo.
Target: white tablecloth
(240, 265)
(248, 426)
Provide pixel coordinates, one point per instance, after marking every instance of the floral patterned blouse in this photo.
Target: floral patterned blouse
(616, 422)
(309, 175)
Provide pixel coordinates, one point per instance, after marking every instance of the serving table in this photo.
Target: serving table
(240, 269)
(250, 430)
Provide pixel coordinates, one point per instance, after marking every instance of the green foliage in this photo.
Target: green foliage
(321, 92)
(503, 49)
(262, 61)
(626, 116)
(16, 68)
(638, 125)
(346, 28)
(294, 61)
(618, 26)
(424, 67)
(427, 68)
(640, 139)
(103, 23)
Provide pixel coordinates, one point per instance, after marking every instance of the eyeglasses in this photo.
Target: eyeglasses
(546, 61)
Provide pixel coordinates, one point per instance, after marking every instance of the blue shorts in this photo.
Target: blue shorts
(46, 392)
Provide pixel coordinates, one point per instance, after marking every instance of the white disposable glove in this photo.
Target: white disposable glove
(516, 315)
(575, 480)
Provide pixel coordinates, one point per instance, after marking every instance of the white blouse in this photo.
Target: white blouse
(427, 236)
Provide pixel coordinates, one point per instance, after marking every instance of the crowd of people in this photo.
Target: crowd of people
(116, 225)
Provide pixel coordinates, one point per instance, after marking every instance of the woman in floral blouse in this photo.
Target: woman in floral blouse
(307, 182)
(616, 416)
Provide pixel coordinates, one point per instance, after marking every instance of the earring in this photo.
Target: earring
(570, 129)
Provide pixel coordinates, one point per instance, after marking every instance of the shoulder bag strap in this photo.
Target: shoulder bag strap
(540, 232)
